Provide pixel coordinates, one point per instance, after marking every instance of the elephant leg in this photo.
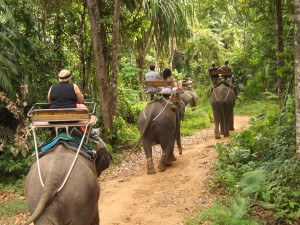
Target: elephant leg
(222, 126)
(150, 166)
(226, 126)
(178, 139)
(165, 157)
(231, 124)
(170, 159)
(217, 130)
(148, 152)
(96, 220)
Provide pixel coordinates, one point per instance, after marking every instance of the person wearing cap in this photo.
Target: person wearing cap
(64, 94)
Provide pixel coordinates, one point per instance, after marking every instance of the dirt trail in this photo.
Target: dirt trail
(131, 197)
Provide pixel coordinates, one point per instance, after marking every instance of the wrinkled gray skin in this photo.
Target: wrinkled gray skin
(189, 97)
(77, 202)
(222, 99)
(164, 130)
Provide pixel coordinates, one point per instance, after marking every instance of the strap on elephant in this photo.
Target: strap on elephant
(187, 93)
(163, 100)
(71, 143)
(229, 88)
(61, 118)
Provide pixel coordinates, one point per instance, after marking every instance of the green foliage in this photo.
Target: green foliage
(245, 106)
(194, 119)
(252, 182)
(12, 207)
(231, 213)
(14, 165)
(124, 135)
(130, 104)
(260, 164)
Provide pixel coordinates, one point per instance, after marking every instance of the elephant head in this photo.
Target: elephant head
(53, 199)
(222, 99)
(160, 124)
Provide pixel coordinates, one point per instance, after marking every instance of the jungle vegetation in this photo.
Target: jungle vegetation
(108, 46)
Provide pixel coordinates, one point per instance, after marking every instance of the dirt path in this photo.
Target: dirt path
(131, 197)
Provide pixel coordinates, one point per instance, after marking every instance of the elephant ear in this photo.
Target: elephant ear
(103, 158)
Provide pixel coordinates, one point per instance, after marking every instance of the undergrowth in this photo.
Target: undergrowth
(259, 169)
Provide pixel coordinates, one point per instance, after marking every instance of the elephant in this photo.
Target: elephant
(189, 97)
(222, 99)
(75, 202)
(160, 124)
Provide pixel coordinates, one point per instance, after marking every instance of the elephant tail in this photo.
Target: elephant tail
(45, 197)
(145, 127)
(222, 112)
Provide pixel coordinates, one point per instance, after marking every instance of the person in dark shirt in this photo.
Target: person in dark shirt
(64, 94)
(214, 77)
(228, 70)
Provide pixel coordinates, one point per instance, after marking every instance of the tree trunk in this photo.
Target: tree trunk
(115, 47)
(280, 49)
(140, 61)
(81, 52)
(297, 73)
(101, 70)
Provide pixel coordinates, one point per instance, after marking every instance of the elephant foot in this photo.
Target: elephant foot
(150, 166)
(231, 129)
(169, 164)
(217, 137)
(151, 171)
(161, 167)
(172, 158)
(226, 135)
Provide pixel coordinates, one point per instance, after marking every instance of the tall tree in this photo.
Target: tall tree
(100, 64)
(115, 47)
(297, 73)
(280, 49)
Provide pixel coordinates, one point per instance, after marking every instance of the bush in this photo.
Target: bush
(260, 164)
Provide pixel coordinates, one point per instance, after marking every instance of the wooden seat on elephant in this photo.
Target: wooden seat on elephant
(158, 83)
(221, 72)
(187, 83)
(60, 117)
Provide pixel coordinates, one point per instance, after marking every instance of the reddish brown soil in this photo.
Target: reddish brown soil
(131, 197)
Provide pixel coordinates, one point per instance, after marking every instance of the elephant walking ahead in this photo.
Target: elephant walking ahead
(159, 124)
(189, 97)
(77, 201)
(222, 99)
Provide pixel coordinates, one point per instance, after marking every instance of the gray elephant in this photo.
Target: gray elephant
(189, 97)
(222, 99)
(77, 201)
(160, 124)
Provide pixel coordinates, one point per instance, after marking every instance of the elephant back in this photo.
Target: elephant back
(223, 92)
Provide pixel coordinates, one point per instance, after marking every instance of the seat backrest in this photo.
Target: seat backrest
(158, 83)
(50, 115)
